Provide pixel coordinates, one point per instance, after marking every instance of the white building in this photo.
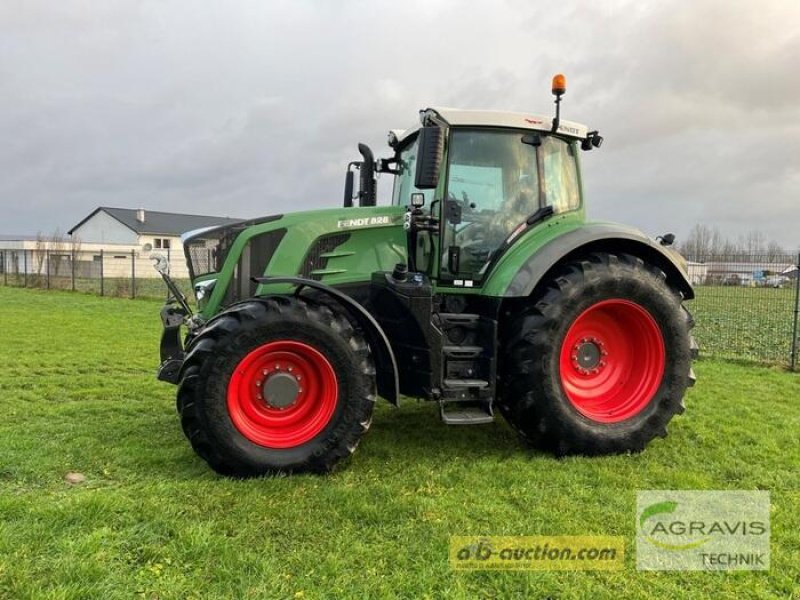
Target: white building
(697, 272)
(114, 242)
(119, 231)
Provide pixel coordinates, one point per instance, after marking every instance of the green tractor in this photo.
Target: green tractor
(481, 287)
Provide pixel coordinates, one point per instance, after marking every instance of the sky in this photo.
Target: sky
(248, 108)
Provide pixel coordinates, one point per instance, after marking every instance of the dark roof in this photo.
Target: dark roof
(159, 223)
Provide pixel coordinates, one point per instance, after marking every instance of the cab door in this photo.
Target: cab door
(493, 185)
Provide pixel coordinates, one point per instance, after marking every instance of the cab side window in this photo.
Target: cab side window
(561, 188)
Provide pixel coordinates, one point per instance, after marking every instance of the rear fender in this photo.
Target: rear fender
(597, 237)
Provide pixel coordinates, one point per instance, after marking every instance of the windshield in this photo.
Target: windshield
(495, 181)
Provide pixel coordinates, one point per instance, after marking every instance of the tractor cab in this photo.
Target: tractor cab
(499, 174)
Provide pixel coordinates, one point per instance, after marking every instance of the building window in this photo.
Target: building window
(162, 243)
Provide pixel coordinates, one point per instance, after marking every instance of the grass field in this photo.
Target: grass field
(733, 322)
(120, 287)
(78, 393)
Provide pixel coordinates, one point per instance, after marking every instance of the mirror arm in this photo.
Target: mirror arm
(383, 166)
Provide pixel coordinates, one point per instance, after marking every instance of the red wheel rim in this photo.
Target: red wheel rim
(282, 394)
(612, 361)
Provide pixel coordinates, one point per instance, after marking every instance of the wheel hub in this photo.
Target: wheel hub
(281, 390)
(612, 360)
(282, 394)
(588, 355)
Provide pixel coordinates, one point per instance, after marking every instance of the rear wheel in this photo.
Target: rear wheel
(600, 360)
(274, 385)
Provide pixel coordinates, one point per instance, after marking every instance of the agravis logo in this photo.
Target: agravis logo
(694, 530)
(659, 532)
(664, 532)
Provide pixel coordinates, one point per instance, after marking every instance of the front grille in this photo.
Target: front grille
(314, 260)
(201, 256)
(207, 254)
(253, 262)
(207, 251)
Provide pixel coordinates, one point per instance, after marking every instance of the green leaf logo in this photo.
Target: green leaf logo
(657, 509)
(661, 508)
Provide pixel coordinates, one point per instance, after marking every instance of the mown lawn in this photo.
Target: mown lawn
(78, 393)
(121, 287)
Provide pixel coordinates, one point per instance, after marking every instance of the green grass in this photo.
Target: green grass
(78, 393)
(744, 323)
(119, 287)
(733, 322)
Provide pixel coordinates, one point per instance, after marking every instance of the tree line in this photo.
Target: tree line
(706, 243)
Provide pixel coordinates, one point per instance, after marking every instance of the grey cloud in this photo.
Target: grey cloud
(245, 108)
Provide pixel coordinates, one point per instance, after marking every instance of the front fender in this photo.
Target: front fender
(597, 237)
(387, 378)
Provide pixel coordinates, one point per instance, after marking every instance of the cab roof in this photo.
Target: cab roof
(492, 118)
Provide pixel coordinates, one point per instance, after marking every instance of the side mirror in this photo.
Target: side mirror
(532, 139)
(429, 157)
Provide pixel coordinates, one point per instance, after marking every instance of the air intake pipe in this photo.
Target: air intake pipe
(366, 195)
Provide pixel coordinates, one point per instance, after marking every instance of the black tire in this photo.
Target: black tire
(534, 396)
(224, 345)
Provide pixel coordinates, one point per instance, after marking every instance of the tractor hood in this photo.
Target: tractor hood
(341, 246)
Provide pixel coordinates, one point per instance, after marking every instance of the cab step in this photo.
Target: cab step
(457, 384)
(458, 413)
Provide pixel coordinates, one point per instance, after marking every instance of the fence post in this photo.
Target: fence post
(101, 273)
(47, 271)
(72, 263)
(796, 312)
(24, 268)
(133, 274)
(5, 269)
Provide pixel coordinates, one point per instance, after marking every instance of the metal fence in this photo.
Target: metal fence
(127, 273)
(746, 307)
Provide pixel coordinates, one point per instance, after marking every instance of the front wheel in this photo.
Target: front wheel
(599, 362)
(276, 385)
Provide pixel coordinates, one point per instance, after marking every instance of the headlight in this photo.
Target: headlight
(202, 291)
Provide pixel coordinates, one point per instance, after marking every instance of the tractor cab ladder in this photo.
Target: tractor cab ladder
(469, 368)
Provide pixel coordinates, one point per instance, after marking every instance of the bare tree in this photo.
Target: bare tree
(705, 243)
(754, 243)
(75, 244)
(58, 247)
(717, 242)
(776, 252)
(49, 250)
(39, 252)
(698, 243)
